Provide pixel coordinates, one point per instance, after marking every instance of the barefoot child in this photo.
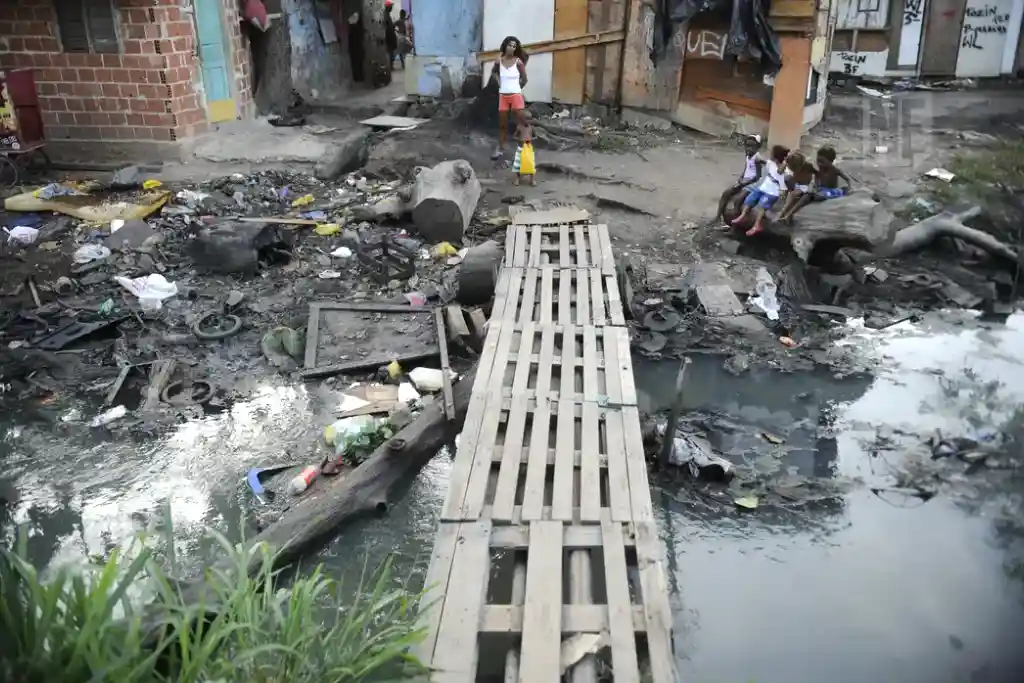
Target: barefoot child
(752, 166)
(799, 176)
(826, 181)
(766, 194)
(525, 163)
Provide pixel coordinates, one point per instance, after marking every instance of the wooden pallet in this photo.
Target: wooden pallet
(550, 485)
(559, 246)
(597, 561)
(568, 296)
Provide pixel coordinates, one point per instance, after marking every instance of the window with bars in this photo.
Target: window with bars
(87, 26)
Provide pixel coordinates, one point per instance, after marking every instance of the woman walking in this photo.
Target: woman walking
(510, 73)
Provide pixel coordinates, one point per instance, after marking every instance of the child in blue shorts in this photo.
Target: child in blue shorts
(768, 191)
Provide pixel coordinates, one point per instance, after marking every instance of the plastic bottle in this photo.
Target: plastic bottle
(303, 479)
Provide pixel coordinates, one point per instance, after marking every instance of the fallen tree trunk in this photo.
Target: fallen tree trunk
(443, 200)
(923, 233)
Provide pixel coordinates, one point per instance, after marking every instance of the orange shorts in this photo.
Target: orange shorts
(511, 102)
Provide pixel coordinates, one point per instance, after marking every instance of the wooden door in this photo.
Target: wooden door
(942, 37)
(220, 104)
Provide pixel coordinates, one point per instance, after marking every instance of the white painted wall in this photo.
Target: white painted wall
(910, 32)
(859, 63)
(531, 21)
(1012, 38)
(862, 14)
(983, 38)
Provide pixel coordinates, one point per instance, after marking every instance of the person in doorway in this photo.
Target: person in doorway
(390, 36)
(525, 165)
(510, 73)
(404, 29)
(752, 166)
(767, 193)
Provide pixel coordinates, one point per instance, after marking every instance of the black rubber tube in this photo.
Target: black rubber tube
(236, 325)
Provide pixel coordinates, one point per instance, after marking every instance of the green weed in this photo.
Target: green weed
(94, 624)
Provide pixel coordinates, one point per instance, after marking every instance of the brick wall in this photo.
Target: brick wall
(148, 92)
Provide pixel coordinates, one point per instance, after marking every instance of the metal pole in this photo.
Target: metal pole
(673, 414)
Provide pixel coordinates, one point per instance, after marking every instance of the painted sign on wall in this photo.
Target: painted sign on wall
(859, 63)
(910, 32)
(982, 38)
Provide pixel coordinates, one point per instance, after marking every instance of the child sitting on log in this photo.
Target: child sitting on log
(752, 167)
(767, 193)
(799, 177)
(826, 182)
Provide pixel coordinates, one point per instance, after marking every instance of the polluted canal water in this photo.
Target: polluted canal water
(865, 559)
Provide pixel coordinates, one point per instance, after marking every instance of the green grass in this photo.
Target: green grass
(980, 173)
(127, 621)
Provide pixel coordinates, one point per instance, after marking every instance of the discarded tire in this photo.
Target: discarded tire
(224, 325)
(478, 274)
(174, 393)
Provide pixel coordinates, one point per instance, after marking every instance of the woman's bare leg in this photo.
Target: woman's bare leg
(502, 128)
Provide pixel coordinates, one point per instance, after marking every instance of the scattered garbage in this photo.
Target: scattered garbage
(88, 253)
(765, 299)
(152, 290)
(747, 502)
(303, 479)
(341, 252)
(109, 416)
(303, 200)
(327, 229)
(254, 478)
(329, 274)
(695, 453)
(941, 174)
(428, 380)
(22, 234)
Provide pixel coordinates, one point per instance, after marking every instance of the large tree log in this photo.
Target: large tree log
(443, 200)
(923, 233)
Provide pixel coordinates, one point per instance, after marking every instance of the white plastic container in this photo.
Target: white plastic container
(303, 479)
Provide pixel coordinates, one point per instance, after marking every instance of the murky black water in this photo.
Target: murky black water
(850, 587)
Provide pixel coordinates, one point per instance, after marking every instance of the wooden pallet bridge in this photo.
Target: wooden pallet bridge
(547, 561)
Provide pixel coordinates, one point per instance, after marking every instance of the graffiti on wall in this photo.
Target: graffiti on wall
(859, 63)
(913, 12)
(705, 44)
(980, 22)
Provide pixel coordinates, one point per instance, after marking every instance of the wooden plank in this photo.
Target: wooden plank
(622, 637)
(568, 365)
(619, 483)
(625, 364)
(455, 653)
(596, 250)
(568, 66)
(536, 466)
(581, 246)
(616, 16)
(312, 336)
(522, 242)
(576, 537)
(442, 343)
(590, 470)
(582, 298)
(575, 618)
(615, 313)
(542, 614)
(564, 252)
(565, 447)
(436, 584)
(565, 304)
(607, 257)
(465, 455)
(657, 614)
(612, 376)
(547, 295)
(476, 486)
(365, 362)
(510, 245)
(568, 43)
(590, 387)
(528, 304)
(512, 450)
(597, 297)
(636, 466)
(536, 238)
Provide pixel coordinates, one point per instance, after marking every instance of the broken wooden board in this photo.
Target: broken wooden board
(340, 336)
(386, 121)
(596, 38)
(562, 214)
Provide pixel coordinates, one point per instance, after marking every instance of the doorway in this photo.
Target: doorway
(213, 61)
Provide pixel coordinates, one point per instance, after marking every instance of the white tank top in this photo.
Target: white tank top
(508, 79)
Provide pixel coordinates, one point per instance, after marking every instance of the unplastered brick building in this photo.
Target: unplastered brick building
(128, 78)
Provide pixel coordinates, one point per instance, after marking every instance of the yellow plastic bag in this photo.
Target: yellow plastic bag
(303, 200)
(151, 184)
(327, 229)
(526, 162)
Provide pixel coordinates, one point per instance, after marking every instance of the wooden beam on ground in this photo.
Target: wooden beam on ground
(597, 38)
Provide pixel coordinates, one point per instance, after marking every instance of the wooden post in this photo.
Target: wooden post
(673, 415)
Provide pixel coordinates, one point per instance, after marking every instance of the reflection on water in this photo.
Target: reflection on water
(855, 588)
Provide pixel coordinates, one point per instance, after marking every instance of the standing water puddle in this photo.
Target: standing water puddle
(850, 586)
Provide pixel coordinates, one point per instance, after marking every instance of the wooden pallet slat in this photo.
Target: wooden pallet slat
(590, 388)
(565, 301)
(636, 466)
(597, 298)
(581, 247)
(564, 248)
(607, 258)
(615, 313)
(536, 237)
(436, 584)
(590, 470)
(654, 596)
(542, 614)
(565, 434)
(621, 636)
(455, 651)
(527, 304)
(619, 485)
(508, 474)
